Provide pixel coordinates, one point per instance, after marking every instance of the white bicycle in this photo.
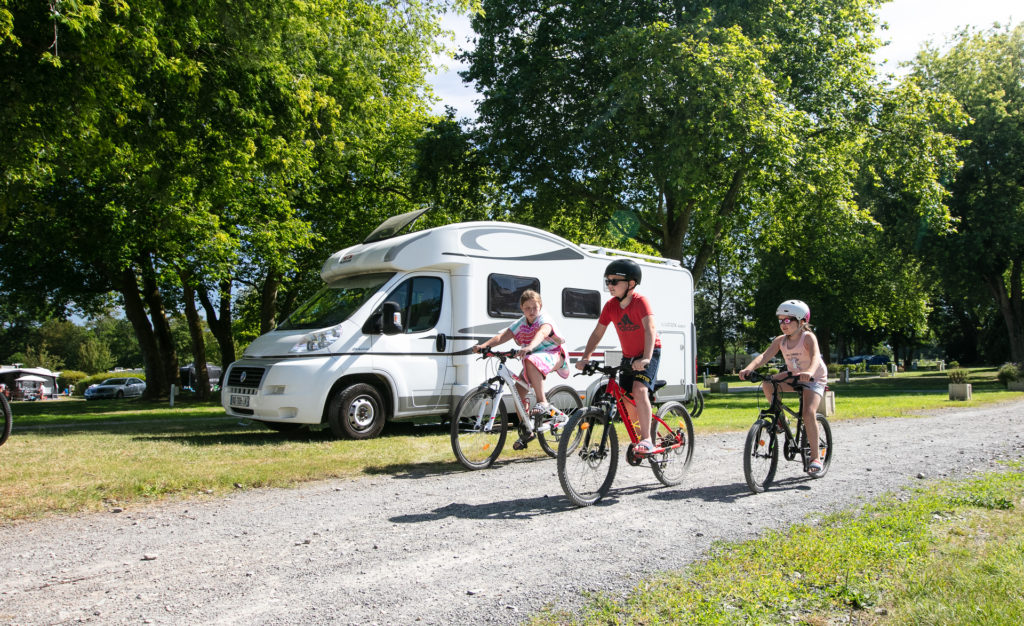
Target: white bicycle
(480, 423)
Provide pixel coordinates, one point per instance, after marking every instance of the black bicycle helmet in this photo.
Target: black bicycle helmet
(624, 267)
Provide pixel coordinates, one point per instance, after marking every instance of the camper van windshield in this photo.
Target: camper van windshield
(336, 302)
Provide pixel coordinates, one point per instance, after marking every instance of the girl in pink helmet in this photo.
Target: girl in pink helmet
(800, 350)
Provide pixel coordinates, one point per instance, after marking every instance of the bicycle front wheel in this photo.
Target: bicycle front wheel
(824, 444)
(565, 399)
(476, 440)
(8, 419)
(588, 456)
(760, 456)
(676, 434)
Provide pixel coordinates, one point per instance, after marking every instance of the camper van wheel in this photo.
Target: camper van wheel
(356, 412)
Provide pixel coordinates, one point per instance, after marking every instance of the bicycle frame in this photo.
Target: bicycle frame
(776, 415)
(502, 378)
(621, 396)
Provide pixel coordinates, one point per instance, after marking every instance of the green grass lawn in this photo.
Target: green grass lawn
(951, 553)
(69, 455)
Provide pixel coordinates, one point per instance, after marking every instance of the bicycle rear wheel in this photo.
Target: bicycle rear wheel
(477, 442)
(697, 404)
(760, 456)
(670, 466)
(566, 400)
(824, 445)
(588, 456)
(7, 417)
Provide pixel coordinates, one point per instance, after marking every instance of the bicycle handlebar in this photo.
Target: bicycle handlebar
(508, 354)
(790, 378)
(593, 367)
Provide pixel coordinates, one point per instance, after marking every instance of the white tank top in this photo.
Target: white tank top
(798, 359)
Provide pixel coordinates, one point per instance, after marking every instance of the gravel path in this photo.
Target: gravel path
(453, 547)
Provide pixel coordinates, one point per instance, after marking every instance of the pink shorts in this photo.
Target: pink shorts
(547, 362)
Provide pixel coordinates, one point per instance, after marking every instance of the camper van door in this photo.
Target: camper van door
(419, 353)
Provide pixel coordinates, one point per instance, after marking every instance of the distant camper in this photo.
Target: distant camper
(389, 336)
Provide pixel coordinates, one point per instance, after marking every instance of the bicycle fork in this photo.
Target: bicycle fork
(488, 425)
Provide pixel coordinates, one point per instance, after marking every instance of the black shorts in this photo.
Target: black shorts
(647, 376)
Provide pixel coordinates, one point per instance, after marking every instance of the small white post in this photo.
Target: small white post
(173, 387)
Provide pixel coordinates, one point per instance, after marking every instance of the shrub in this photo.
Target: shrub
(877, 369)
(954, 365)
(1010, 372)
(957, 376)
(70, 378)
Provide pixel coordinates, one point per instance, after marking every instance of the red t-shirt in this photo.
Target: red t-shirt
(627, 324)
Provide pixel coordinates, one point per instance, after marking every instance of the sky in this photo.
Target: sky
(911, 24)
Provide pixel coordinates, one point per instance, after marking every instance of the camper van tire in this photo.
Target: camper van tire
(356, 412)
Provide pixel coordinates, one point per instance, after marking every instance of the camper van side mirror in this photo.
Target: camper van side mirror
(392, 318)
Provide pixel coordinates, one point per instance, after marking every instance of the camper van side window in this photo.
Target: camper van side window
(503, 293)
(419, 300)
(581, 303)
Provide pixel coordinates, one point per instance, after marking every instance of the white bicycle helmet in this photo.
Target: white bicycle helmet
(795, 308)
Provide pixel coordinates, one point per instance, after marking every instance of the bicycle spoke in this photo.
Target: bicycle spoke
(566, 400)
(676, 435)
(476, 440)
(588, 455)
(760, 456)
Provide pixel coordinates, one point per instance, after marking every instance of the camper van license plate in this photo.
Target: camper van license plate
(239, 400)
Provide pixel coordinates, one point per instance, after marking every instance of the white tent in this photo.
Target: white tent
(30, 378)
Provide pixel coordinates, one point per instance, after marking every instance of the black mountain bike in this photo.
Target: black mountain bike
(761, 452)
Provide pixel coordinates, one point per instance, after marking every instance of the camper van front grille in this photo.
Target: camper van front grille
(245, 377)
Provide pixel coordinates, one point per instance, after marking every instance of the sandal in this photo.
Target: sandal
(815, 466)
(644, 447)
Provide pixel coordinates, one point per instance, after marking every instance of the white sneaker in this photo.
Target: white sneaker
(550, 415)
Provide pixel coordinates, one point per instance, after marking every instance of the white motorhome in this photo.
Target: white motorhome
(390, 334)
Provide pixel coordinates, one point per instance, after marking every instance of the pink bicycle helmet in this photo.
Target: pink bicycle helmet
(795, 308)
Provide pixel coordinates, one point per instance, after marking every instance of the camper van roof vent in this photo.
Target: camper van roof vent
(393, 225)
(633, 255)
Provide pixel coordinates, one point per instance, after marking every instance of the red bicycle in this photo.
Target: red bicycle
(588, 451)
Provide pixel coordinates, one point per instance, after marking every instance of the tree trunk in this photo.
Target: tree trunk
(1011, 307)
(135, 311)
(268, 302)
(162, 329)
(219, 321)
(825, 344)
(195, 331)
(722, 218)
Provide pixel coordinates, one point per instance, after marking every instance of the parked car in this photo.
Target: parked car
(853, 360)
(878, 359)
(116, 388)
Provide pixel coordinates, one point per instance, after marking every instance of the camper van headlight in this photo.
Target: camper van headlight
(320, 340)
